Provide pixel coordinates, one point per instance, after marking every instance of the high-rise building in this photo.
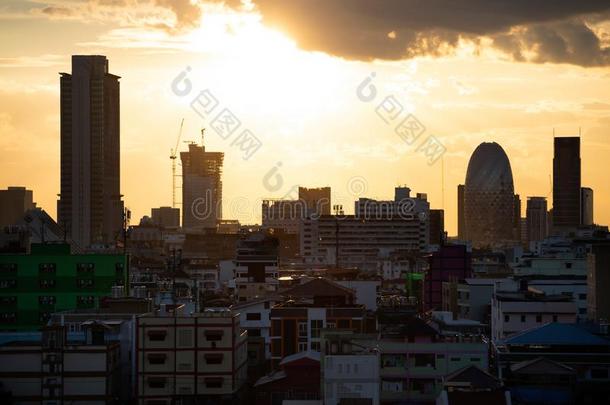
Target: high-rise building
(437, 227)
(166, 217)
(537, 221)
(90, 206)
(14, 202)
(586, 206)
(517, 217)
(598, 283)
(201, 187)
(566, 183)
(460, 212)
(317, 200)
(489, 197)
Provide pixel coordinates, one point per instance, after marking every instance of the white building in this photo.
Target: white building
(513, 312)
(349, 370)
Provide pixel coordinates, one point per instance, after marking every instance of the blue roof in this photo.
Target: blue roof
(556, 334)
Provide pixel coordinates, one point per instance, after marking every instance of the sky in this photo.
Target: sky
(322, 85)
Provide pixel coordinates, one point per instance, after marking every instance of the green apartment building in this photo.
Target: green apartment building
(51, 279)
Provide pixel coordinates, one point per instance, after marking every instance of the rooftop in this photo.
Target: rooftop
(557, 334)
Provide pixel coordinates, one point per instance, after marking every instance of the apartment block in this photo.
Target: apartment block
(185, 357)
(51, 279)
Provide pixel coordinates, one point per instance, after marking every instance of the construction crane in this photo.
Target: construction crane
(173, 157)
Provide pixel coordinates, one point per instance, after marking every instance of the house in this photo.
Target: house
(473, 386)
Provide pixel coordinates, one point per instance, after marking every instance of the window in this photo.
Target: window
(119, 268)
(554, 318)
(46, 300)
(8, 268)
(46, 283)
(475, 359)
(343, 323)
(582, 297)
(522, 318)
(213, 382)
(8, 283)
(85, 301)
(47, 268)
(253, 316)
(157, 335)
(582, 311)
(316, 325)
(302, 346)
(254, 332)
(506, 318)
(213, 358)
(302, 329)
(455, 359)
(539, 318)
(315, 346)
(156, 382)
(214, 335)
(8, 300)
(8, 317)
(156, 358)
(424, 360)
(84, 283)
(85, 267)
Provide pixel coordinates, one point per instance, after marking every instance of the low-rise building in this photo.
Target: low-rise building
(516, 311)
(57, 367)
(179, 357)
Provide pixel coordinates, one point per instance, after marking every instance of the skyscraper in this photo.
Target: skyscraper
(537, 219)
(566, 183)
(90, 206)
(201, 187)
(489, 197)
(586, 206)
(460, 209)
(517, 217)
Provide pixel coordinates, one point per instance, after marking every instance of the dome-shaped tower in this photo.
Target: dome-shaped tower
(489, 196)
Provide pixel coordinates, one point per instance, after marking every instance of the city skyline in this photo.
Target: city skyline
(314, 123)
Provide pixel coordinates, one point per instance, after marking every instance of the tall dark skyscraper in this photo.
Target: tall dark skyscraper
(566, 183)
(489, 198)
(460, 210)
(90, 206)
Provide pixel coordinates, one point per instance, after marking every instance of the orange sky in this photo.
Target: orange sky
(301, 104)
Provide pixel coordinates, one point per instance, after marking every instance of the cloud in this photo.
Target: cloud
(358, 29)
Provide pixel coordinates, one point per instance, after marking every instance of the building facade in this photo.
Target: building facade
(566, 183)
(90, 206)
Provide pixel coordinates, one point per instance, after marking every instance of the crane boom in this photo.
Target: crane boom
(173, 157)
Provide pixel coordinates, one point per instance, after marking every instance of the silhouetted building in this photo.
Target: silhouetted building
(166, 217)
(598, 283)
(317, 200)
(90, 205)
(536, 214)
(489, 197)
(450, 263)
(14, 202)
(201, 187)
(517, 218)
(586, 206)
(288, 214)
(566, 183)
(437, 227)
(460, 212)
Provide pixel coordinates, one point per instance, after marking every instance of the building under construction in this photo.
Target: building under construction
(201, 187)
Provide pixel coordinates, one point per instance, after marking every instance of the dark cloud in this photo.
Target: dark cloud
(358, 29)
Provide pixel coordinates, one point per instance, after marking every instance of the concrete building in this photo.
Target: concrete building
(90, 206)
(537, 219)
(256, 267)
(182, 357)
(566, 183)
(349, 368)
(451, 262)
(287, 215)
(166, 217)
(437, 227)
(586, 206)
(51, 279)
(513, 312)
(201, 187)
(598, 282)
(56, 367)
(296, 324)
(14, 202)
